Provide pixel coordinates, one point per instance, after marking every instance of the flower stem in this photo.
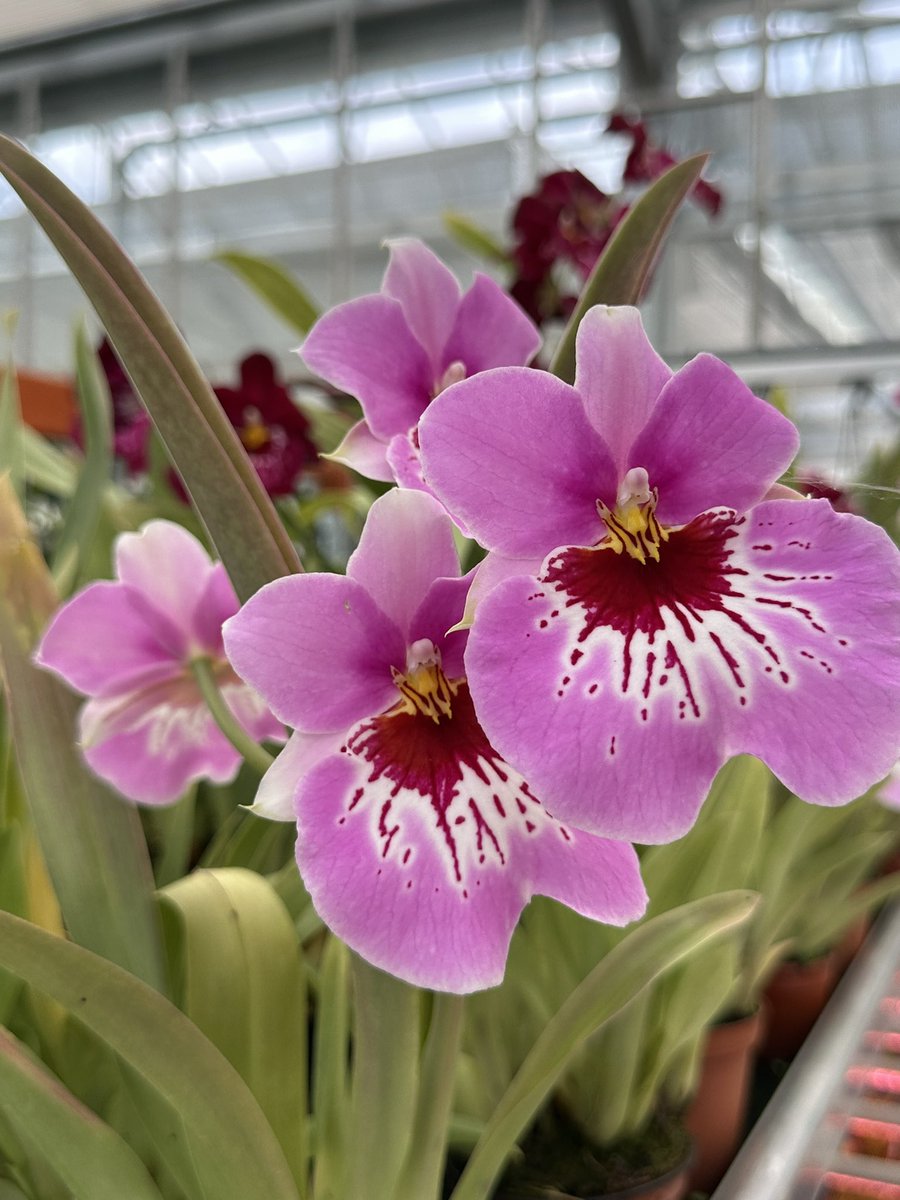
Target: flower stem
(258, 758)
(384, 1096)
(424, 1171)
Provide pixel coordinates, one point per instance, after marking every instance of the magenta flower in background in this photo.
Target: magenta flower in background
(653, 614)
(418, 844)
(566, 220)
(273, 430)
(131, 423)
(647, 161)
(395, 351)
(128, 645)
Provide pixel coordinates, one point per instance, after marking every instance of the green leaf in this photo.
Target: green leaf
(623, 270)
(240, 518)
(92, 842)
(12, 452)
(46, 467)
(237, 938)
(234, 1150)
(331, 1058)
(636, 962)
(475, 239)
(83, 514)
(385, 1080)
(90, 1159)
(273, 285)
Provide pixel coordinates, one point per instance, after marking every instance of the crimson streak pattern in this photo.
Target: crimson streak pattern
(704, 599)
(477, 802)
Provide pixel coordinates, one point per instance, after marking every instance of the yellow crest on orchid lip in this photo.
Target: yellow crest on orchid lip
(632, 526)
(424, 686)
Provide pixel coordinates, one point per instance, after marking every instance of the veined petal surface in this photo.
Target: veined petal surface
(168, 566)
(76, 644)
(490, 330)
(406, 544)
(367, 348)
(512, 454)
(318, 649)
(710, 443)
(619, 688)
(618, 375)
(420, 847)
(428, 293)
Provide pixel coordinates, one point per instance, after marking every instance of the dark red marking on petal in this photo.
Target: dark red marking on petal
(415, 754)
(575, 656)
(695, 576)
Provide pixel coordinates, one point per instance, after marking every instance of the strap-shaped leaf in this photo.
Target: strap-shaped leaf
(90, 1158)
(83, 513)
(623, 269)
(232, 934)
(233, 1149)
(92, 842)
(636, 962)
(241, 519)
(273, 285)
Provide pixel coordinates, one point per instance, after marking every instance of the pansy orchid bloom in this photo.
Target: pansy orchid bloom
(128, 645)
(658, 614)
(396, 350)
(272, 429)
(418, 844)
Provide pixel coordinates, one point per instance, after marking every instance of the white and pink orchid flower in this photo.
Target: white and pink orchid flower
(128, 644)
(418, 844)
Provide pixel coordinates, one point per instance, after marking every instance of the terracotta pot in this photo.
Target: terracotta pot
(716, 1116)
(718, 1111)
(795, 997)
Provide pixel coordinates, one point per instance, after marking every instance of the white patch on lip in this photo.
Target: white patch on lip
(697, 653)
(490, 808)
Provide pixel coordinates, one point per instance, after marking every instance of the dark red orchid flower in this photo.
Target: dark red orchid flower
(131, 424)
(272, 429)
(647, 161)
(566, 220)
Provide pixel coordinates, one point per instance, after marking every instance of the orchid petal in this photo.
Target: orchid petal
(420, 848)
(441, 610)
(407, 543)
(168, 566)
(490, 330)
(363, 452)
(151, 750)
(366, 348)
(619, 376)
(277, 788)
(318, 650)
(710, 442)
(512, 454)
(217, 603)
(823, 586)
(76, 644)
(776, 633)
(427, 292)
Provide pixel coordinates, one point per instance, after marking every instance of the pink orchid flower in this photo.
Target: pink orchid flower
(395, 351)
(418, 844)
(657, 614)
(128, 646)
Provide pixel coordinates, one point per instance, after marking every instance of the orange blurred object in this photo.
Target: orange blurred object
(48, 403)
